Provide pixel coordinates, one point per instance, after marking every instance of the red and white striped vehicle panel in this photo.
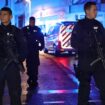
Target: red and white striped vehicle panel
(65, 36)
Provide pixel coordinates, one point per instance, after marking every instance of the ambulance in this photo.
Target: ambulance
(58, 38)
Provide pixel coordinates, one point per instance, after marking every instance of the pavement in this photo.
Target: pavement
(57, 84)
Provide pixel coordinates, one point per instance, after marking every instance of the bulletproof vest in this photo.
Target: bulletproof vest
(7, 40)
(32, 36)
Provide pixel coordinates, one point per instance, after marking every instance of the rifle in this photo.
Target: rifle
(99, 50)
(13, 56)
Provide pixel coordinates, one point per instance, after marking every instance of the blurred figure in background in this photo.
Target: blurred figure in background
(35, 41)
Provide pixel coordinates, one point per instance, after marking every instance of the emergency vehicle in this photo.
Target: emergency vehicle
(58, 38)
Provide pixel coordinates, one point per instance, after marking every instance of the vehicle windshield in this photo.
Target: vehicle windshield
(54, 29)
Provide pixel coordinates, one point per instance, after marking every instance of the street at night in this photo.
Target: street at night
(57, 84)
(52, 52)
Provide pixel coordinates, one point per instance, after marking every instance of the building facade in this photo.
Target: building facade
(21, 10)
(50, 11)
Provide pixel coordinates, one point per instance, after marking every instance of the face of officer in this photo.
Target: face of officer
(32, 23)
(91, 12)
(5, 17)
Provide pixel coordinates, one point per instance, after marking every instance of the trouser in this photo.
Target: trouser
(11, 76)
(98, 72)
(32, 72)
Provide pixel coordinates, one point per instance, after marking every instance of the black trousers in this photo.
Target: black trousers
(11, 76)
(84, 76)
(32, 71)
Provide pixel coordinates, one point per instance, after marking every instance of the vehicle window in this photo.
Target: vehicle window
(54, 29)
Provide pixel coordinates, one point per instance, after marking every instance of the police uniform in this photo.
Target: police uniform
(9, 69)
(35, 42)
(84, 42)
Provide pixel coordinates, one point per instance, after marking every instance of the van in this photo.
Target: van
(58, 38)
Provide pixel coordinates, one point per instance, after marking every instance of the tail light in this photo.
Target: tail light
(59, 41)
(59, 44)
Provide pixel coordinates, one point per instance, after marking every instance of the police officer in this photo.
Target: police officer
(12, 54)
(35, 41)
(84, 41)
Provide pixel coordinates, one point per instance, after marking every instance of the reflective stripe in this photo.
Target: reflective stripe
(65, 35)
(67, 38)
(63, 29)
(66, 42)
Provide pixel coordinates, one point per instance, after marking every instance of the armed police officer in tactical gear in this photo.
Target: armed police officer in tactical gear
(88, 38)
(12, 54)
(35, 41)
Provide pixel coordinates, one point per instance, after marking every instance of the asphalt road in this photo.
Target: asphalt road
(57, 84)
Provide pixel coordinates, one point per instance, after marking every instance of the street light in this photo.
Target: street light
(27, 0)
(70, 4)
(29, 3)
